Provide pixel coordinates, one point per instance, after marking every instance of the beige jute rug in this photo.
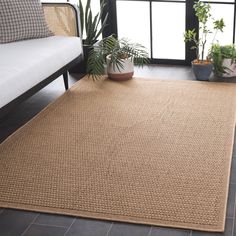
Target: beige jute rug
(143, 151)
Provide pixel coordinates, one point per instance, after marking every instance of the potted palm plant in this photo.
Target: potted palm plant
(202, 65)
(223, 60)
(91, 28)
(117, 57)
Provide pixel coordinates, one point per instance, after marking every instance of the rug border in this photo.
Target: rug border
(109, 217)
(93, 215)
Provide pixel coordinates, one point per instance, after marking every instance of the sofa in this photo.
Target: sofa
(29, 65)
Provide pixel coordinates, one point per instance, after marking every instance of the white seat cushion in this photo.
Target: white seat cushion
(25, 63)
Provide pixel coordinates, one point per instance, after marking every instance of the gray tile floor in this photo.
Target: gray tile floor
(23, 223)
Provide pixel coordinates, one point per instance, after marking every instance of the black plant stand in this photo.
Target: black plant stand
(81, 67)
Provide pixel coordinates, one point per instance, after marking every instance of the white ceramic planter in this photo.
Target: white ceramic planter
(120, 74)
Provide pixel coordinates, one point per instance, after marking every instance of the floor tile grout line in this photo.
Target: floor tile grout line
(30, 224)
(233, 225)
(108, 231)
(70, 226)
(1, 211)
(51, 225)
(191, 233)
(150, 231)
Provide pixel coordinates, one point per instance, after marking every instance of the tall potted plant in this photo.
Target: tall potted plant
(92, 25)
(91, 28)
(117, 57)
(202, 65)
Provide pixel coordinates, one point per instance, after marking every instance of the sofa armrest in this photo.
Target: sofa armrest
(62, 18)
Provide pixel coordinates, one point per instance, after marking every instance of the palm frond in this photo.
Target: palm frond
(95, 63)
(81, 11)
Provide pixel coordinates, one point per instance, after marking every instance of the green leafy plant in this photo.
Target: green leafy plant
(218, 54)
(92, 26)
(118, 50)
(203, 13)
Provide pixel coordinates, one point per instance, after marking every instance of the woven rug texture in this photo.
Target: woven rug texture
(143, 151)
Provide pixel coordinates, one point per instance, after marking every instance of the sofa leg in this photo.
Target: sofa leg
(65, 77)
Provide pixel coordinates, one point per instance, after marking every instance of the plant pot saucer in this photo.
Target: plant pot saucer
(121, 76)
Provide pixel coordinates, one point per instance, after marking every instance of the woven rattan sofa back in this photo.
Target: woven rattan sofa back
(62, 18)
